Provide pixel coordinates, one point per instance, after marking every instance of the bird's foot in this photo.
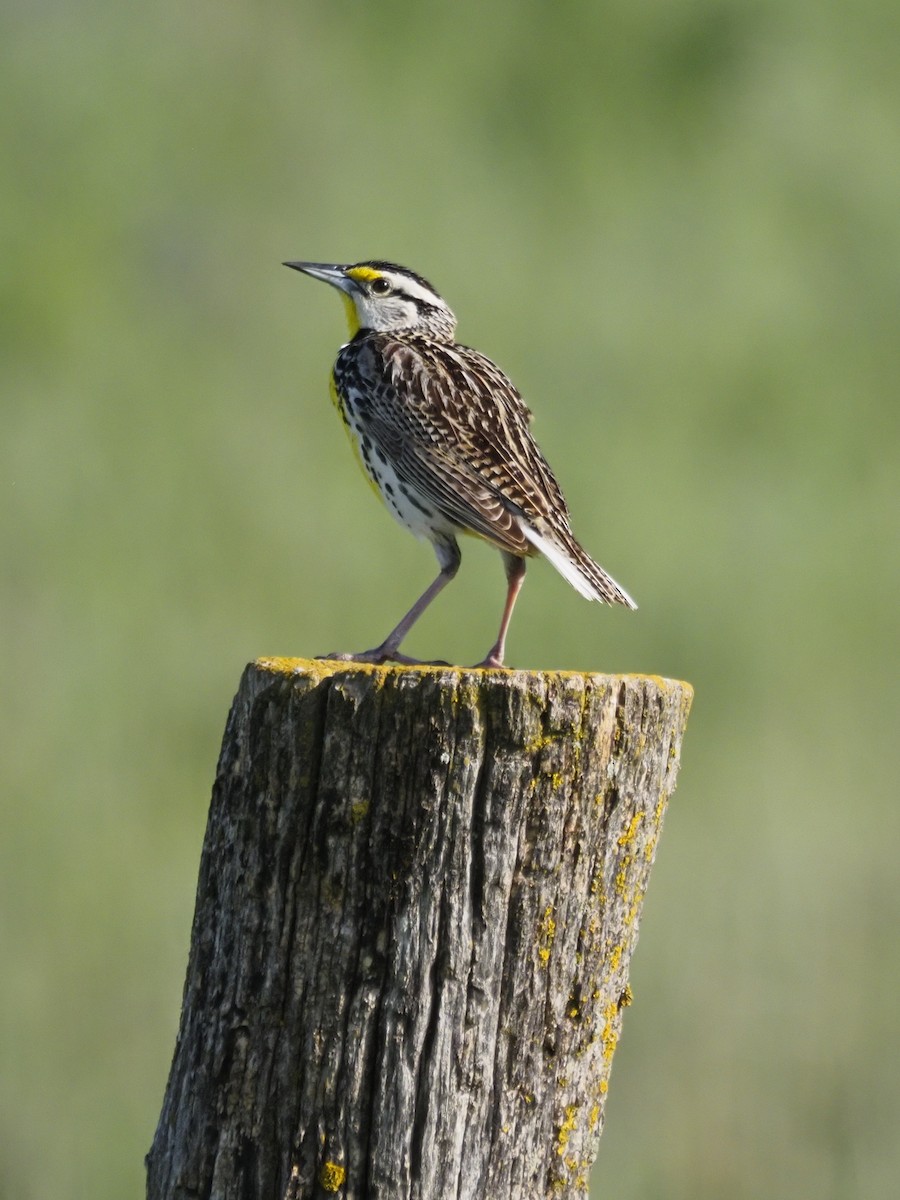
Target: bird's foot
(383, 654)
(493, 659)
(375, 656)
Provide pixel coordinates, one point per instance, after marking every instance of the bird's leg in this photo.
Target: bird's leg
(449, 557)
(515, 574)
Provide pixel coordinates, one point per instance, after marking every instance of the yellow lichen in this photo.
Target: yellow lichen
(467, 693)
(628, 835)
(565, 1130)
(597, 888)
(621, 880)
(359, 810)
(609, 1035)
(546, 934)
(332, 1176)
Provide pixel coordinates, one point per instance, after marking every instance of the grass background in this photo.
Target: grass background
(676, 223)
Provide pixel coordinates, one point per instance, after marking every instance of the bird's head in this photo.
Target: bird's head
(386, 298)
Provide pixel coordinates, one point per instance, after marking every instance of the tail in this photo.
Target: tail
(576, 566)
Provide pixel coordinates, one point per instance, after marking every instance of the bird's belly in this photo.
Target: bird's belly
(404, 502)
(406, 505)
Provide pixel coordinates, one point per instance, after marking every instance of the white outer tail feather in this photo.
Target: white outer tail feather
(571, 571)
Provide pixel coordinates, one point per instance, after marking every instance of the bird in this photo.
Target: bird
(444, 437)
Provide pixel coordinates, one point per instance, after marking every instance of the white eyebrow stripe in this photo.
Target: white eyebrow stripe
(404, 284)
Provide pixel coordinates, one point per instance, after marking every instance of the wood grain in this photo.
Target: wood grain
(419, 893)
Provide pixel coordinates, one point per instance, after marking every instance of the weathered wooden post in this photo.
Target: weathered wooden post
(419, 893)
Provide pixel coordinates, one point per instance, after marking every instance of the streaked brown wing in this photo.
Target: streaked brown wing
(456, 428)
(458, 492)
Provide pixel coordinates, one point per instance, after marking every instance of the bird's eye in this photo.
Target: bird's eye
(380, 287)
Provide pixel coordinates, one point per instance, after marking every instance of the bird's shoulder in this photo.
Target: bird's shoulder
(458, 379)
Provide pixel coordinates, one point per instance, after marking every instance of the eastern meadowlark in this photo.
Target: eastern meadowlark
(444, 437)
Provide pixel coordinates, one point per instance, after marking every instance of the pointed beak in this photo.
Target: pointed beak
(334, 275)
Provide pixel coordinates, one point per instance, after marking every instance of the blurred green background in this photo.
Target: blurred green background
(676, 223)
